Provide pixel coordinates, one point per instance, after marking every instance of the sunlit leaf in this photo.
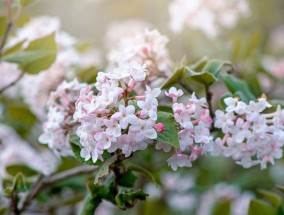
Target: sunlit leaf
(38, 56)
(103, 170)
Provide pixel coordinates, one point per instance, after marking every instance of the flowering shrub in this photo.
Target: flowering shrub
(80, 134)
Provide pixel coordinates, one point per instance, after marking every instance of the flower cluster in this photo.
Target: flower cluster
(251, 137)
(147, 48)
(194, 122)
(60, 123)
(115, 118)
(206, 15)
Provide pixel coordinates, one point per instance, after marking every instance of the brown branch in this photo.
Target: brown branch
(12, 83)
(208, 95)
(44, 182)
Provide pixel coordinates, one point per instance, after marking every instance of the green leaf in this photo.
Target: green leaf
(280, 187)
(89, 205)
(235, 85)
(170, 133)
(127, 179)
(258, 207)
(204, 71)
(74, 141)
(174, 78)
(13, 49)
(205, 78)
(273, 198)
(215, 66)
(222, 207)
(38, 56)
(88, 75)
(3, 25)
(128, 198)
(3, 211)
(105, 191)
(103, 170)
(17, 168)
(8, 192)
(20, 184)
(199, 65)
(142, 171)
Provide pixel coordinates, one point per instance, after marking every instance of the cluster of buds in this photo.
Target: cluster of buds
(251, 136)
(147, 48)
(60, 123)
(115, 118)
(194, 124)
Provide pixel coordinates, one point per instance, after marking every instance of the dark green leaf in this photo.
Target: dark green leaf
(127, 179)
(17, 168)
(215, 66)
(258, 207)
(89, 206)
(273, 198)
(222, 207)
(170, 133)
(235, 84)
(20, 184)
(128, 198)
(142, 171)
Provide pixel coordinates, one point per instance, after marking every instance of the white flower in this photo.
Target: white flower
(60, 122)
(163, 146)
(143, 128)
(109, 120)
(231, 104)
(251, 137)
(125, 116)
(174, 93)
(179, 160)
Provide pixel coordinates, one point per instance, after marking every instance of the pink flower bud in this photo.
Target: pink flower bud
(159, 127)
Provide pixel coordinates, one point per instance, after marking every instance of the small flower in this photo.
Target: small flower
(179, 160)
(174, 93)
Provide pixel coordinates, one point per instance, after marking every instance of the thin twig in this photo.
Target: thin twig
(208, 95)
(44, 182)
(8, 27)
(12, 83)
